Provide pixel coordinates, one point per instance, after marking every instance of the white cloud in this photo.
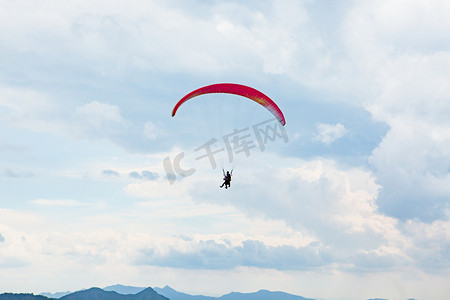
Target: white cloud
(431, 244)
(210, 254)
(29, 109)
(329, 133)
(81, 249)
(99, 120)
(225, 36)
(58, 202)
(96, 113)
(335, 205)
(152, 131)
(18, 218)
(159, 189)
(393, 59)
(37, 111)
(414, 103)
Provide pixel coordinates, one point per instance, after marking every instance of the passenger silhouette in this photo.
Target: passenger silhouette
(226, 179)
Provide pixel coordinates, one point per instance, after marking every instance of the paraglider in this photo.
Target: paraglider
(239, 90)
(235, 89)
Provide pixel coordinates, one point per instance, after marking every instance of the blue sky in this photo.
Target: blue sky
(354, 205)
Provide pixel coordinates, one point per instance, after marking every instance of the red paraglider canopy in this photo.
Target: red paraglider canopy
(236, 89)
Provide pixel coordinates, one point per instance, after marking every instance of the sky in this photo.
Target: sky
(100, 185)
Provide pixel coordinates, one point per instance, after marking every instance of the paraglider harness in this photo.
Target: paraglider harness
(226, 178)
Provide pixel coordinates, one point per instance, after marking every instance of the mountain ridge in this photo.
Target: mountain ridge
(96, 293)
(22, 296)
(56, 295)
(259, 295)
(124, 289)
(174, 295)
(122, 292)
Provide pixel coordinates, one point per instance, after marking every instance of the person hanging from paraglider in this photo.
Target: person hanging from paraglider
(239, 90)
(226, 178)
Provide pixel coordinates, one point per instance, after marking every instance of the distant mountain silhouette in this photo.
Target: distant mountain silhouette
(122, 292)
(125, 289)
(174, 295)
(99, 294)
(260, 295)
(10, 296)
(55, 295)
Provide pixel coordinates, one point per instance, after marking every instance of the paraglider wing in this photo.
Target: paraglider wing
(236, 89)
